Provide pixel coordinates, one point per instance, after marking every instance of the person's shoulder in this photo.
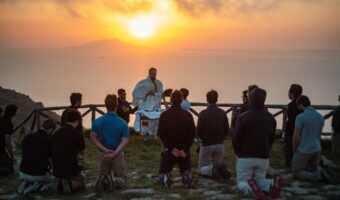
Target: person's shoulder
(203, 112)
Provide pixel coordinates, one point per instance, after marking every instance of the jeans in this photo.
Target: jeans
(305, 166)
(210, 155)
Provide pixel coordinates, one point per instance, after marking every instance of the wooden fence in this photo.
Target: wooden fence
(37, 114)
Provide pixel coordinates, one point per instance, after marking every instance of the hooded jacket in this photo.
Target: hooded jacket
(255, 129)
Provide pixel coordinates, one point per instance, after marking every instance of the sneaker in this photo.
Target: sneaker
(166, 181)
(255, 190)
(187, 179)
(275, 190)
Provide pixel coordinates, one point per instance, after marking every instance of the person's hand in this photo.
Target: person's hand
(151, 93)
(175, 152)
(109, 156)
(183, 154)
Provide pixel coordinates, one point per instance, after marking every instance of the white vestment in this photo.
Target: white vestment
(147, 102)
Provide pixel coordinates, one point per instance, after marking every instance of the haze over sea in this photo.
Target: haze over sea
(98, 68)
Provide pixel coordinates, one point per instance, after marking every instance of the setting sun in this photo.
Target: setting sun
(142, 26)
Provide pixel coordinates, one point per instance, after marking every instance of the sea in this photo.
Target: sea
(100, 68)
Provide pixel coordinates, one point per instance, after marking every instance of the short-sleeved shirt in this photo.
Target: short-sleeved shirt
(311, 123)
(6, 128)
(111, 129)
(36, 150)
(67, 143)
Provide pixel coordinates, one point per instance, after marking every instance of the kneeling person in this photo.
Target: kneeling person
(34, 167)
(68, 145)
(212, 127)
(110, 134)
(176, 130)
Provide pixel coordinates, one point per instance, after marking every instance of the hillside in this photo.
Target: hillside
(25, 106)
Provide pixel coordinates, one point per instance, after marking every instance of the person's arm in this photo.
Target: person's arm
(226, 125)
(296, 138)
(161, 132)
(99, 145)
(200, 125)
(9, 147)
(121, 146)
(238, 136)
(272, 137)
(191, 132)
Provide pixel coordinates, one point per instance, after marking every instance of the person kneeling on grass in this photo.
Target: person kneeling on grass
(35, 164)
(252, 140)
(212, 127)
(68, 144)
(110, 134)
(177, 130)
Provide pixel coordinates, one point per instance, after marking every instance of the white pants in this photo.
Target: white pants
(252, 168)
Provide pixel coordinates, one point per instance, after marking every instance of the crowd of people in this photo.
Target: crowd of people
(54, 160)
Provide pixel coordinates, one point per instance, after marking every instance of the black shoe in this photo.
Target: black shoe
(220, 171)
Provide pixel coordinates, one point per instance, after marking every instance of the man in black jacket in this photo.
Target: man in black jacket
(252, 141)
(295, 91)
(177, 130)
(212, 127)
(35, 163)
(67, 145)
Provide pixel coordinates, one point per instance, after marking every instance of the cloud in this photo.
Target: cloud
(189, 7)
(129, 6)
(200, 7)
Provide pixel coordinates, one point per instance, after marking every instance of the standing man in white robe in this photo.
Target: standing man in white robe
(147, 95)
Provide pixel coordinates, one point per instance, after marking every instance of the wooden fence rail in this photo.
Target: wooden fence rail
(94, 108)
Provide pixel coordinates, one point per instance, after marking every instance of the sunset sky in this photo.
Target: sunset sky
(206, 24)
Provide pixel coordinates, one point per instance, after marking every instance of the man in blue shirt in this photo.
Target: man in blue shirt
(110, 134)
(306, 142)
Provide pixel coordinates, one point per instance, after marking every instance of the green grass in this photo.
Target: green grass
(142, 158)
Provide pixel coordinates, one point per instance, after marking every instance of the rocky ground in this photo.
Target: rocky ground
(143, 161)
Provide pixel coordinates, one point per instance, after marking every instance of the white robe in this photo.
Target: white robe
(147, 102)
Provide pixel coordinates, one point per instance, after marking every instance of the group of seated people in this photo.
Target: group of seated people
(55, 162)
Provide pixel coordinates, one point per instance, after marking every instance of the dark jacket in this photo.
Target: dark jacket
(176, 129)
(292, 112)
(255, 129)
(36, 150)
(212, 125)
(336, 120)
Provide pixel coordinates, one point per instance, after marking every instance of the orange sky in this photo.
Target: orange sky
(211, 24)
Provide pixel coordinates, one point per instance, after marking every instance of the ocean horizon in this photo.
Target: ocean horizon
(100, 68)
